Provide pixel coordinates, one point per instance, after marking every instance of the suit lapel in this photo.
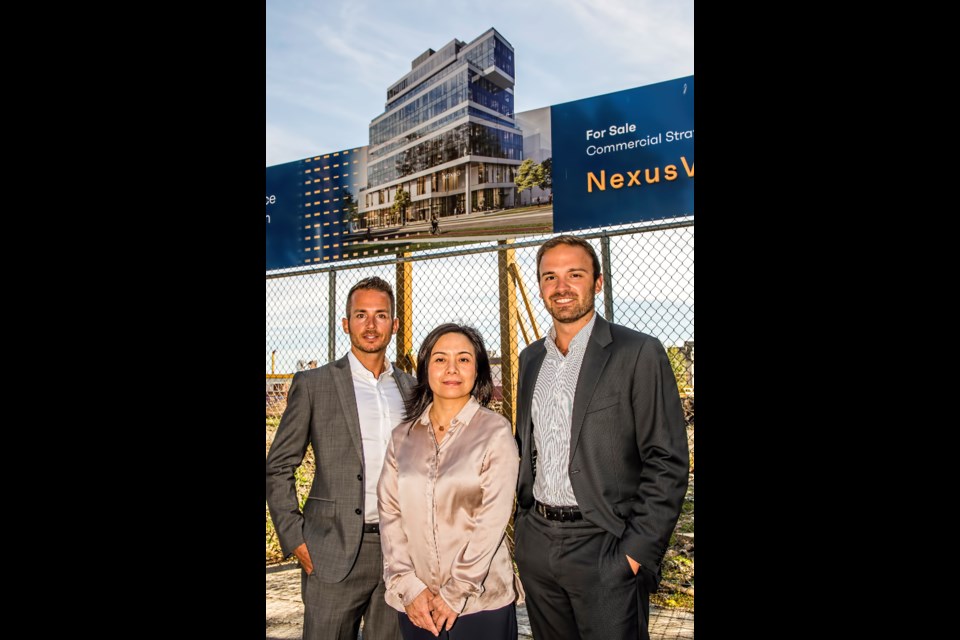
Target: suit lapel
(348, 400)
(594, 359)
(529, 381)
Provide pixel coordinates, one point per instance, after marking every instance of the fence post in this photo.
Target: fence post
(405, 313)
(508, 332)
(607, 279)
(332, 317)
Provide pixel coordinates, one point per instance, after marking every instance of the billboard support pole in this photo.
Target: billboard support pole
(526, 303)
(607, 279)
(405, 313)
(508, 332)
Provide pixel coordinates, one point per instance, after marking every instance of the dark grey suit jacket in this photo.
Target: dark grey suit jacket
(322, 410)
(628, 448)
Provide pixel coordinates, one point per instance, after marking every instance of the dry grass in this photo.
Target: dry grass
(304, 476)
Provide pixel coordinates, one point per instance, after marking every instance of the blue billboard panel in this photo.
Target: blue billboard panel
(623, 157)
(284, 214)
(311, 206)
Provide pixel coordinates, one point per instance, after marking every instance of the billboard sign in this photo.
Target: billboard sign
(613, 159)
(624, 157)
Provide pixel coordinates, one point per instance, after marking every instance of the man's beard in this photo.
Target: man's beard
(365, 347)
(571, 313)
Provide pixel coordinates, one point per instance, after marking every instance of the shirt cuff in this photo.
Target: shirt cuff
(408, 588)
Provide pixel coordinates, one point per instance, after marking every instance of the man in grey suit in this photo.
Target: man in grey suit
(604, 460)
(347, 410)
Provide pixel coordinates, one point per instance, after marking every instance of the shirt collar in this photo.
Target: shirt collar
(464, 416)
(357, 368)
(579, 341)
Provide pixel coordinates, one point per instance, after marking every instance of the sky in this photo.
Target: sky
(329, 62)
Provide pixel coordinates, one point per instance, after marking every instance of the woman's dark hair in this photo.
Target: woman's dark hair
(422, 395)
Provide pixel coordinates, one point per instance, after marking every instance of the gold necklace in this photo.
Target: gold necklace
(441, 427)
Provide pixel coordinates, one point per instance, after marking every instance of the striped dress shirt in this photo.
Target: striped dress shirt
(553, 414)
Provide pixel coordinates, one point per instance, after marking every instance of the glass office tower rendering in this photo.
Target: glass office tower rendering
(447, 137)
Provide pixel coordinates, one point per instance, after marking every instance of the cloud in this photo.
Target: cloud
(329, 63)
(286, 146)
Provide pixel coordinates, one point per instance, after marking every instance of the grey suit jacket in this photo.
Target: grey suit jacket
(628, 445)
(322, 410)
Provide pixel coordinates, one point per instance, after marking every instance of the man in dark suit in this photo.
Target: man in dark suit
(346, 410)
(604, 460)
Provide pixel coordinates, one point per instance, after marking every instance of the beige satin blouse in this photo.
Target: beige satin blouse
(444, 511)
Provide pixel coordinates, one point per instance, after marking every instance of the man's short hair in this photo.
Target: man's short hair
(572, 241)
(376, 284)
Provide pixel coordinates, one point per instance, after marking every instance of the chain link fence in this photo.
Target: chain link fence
(492, 286)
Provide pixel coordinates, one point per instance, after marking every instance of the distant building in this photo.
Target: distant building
(448, 136)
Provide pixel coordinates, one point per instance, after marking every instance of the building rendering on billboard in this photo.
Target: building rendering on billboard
(448, 138)
(449, 162)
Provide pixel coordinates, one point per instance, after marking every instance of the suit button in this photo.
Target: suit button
(357, 511)
(360, 477)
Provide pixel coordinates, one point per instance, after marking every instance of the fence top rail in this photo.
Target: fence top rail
(473, 250)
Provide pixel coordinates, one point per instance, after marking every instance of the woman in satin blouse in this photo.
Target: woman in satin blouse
(446, 494)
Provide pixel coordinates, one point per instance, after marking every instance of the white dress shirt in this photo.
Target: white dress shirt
(380, 407)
